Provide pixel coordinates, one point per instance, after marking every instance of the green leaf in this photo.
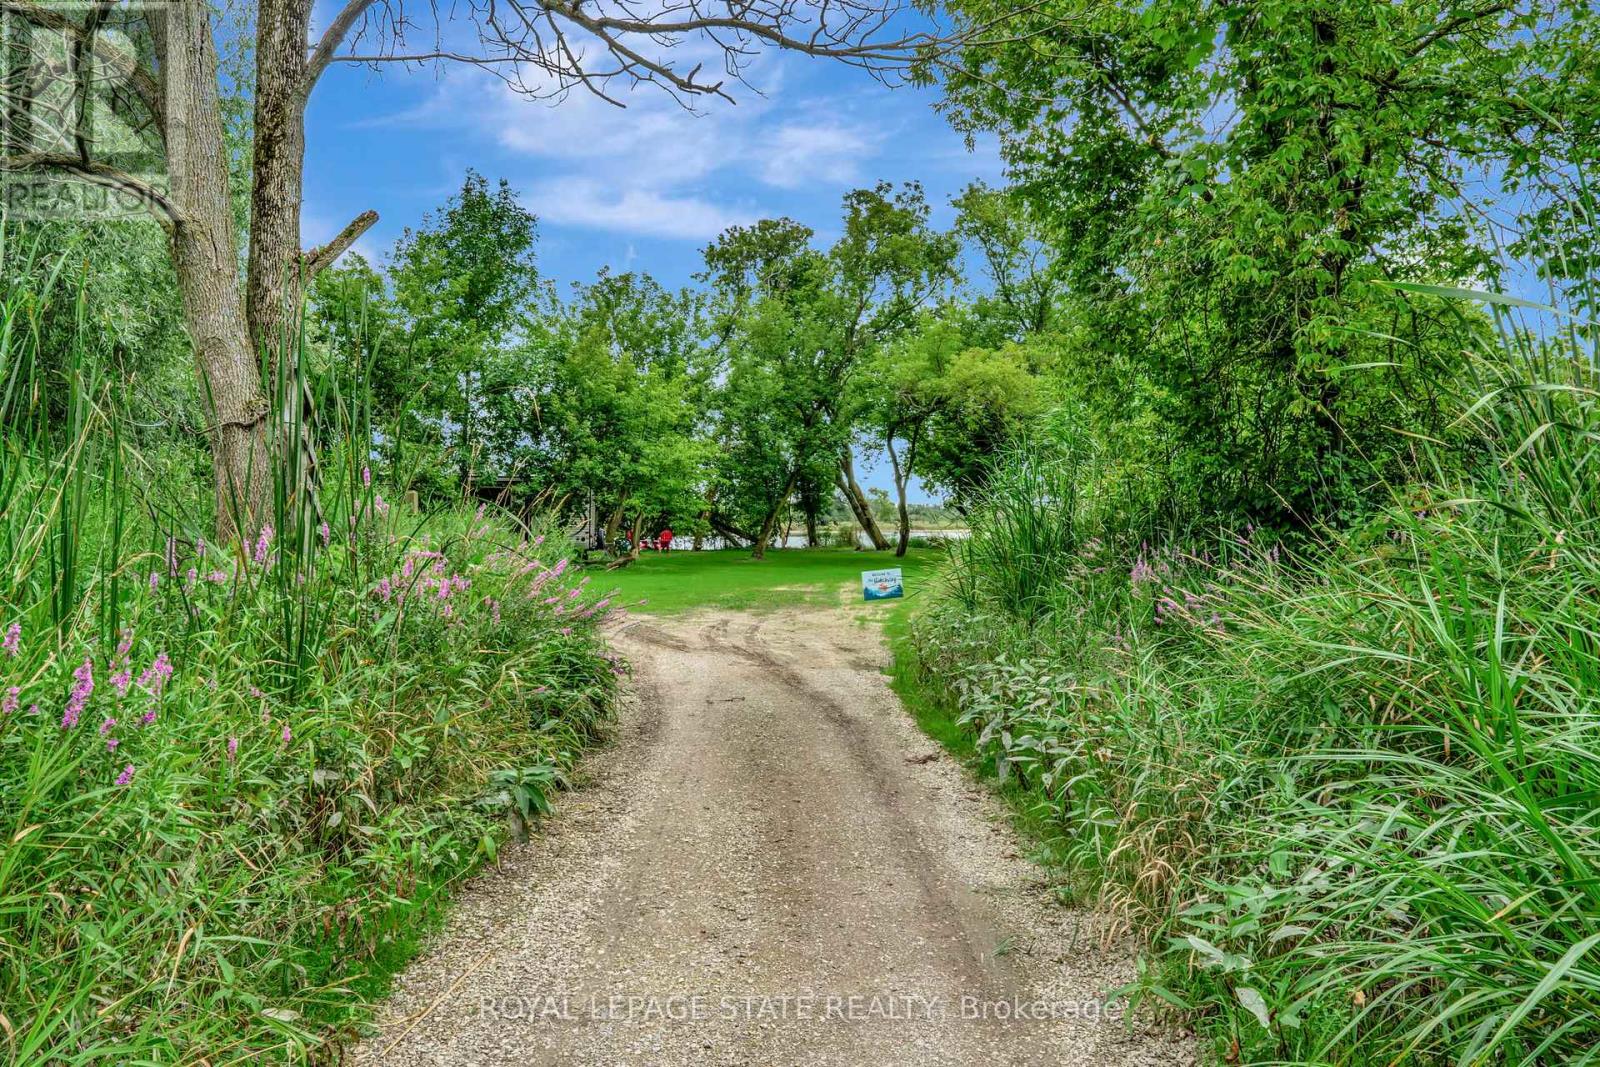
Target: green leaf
(1481, 296)
(1255, 1004)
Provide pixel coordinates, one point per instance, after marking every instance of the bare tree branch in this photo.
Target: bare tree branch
(333, 37)
(157, 203)
(317, 259)
(546, 48)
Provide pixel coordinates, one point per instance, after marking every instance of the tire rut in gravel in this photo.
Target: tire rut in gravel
(769, 866)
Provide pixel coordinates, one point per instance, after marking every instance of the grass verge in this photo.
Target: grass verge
(238, 780)
(1341, 790)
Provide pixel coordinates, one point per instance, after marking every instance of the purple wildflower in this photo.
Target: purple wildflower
(11, 700)
(122, 680)
(154, 678)
(233, 748)
(287, 735)
(155, 580)
(148, 717)
(366, 476)
(126, 776)
(105, 727)
(13, 642)
(111, 744)
(263, 543)
(325, 533)
(84, 677)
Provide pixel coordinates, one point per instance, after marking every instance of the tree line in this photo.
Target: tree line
(1198, 270)
(725, 408)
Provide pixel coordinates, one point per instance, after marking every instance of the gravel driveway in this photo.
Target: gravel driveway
(771, 865)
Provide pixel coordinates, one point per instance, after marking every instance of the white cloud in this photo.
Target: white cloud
(799, 154)
(654, 168)
(653, 141)
(575, 201)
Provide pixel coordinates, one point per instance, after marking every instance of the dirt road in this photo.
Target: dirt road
(771, 866)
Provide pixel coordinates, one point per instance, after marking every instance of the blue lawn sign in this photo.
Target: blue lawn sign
(881, 585)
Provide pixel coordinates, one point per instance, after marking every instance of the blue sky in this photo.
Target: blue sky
(640, 188)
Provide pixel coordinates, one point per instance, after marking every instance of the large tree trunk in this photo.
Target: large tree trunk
(272, 286)
(811, 491)
(858, 502)
(635, 546)
(769, 524)
(278, 271)
(613, 525)
(206, 259)
(729, 531)
(902, 475)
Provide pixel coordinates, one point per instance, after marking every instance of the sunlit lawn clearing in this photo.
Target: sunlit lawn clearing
(729, 579)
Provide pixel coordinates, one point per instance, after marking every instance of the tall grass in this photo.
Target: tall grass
(1345, 795)
(1029, 535)
(235, 778)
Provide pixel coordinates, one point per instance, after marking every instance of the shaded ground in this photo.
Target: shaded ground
(771, 866)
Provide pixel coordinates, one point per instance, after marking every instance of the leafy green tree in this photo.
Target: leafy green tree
(464, 281)
(1233, 184)
(356, 324)
(771, 413)
(799, 324)
(1022, 271)
(941, 408)
(618, 411)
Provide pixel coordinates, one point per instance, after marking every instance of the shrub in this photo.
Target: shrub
(1344, 793)
(234, 779)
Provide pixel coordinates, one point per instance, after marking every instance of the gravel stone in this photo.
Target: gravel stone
(767, 836)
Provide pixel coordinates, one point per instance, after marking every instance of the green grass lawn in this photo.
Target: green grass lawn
(685, 581)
